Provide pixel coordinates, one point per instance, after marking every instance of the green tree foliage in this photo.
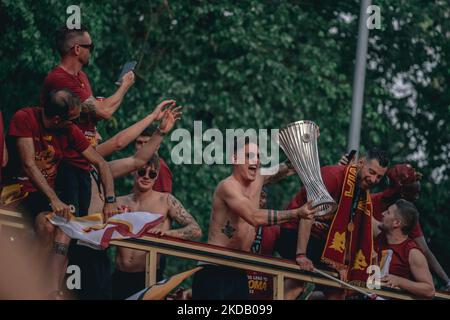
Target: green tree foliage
(258, 64)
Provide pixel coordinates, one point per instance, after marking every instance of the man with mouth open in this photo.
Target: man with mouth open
(235, 215)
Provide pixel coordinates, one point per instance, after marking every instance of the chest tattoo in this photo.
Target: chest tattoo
(228, 230)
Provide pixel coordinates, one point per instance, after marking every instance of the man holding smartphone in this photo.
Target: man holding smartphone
(75, 47)
(73, 181)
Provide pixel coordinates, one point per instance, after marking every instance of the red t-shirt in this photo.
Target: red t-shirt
(50, 145)
(270, 235)
(79, 84)
(164, 181)
(399, 265)
(2, 144)
(379, 206)
(333, 178)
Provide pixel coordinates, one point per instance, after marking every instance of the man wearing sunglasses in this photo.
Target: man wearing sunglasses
(95, 265)
(129, 276)
(235, 216)
(75, 47)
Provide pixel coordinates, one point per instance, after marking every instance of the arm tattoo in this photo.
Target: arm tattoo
(228, 230)
(272, 217)
(88, 106)
(190, 228)
(60, 248)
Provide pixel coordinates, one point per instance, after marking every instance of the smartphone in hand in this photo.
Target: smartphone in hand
(127, 67)
(350, 155)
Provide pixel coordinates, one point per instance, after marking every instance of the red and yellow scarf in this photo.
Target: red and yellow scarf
(349, 243)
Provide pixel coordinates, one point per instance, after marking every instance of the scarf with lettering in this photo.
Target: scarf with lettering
(349, 242)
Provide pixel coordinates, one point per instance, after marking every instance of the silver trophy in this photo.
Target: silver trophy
(299, 142)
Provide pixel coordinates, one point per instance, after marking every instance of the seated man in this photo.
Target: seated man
(41, 138)
(129, 276)
(408, 269)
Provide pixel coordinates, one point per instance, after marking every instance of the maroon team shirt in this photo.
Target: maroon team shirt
(50, 145)
(79, 84)
(164, 181)
(399, 265)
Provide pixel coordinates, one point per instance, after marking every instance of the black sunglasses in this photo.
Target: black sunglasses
(86, 46)
(151, 174)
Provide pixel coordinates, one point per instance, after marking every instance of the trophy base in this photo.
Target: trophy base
(324, 208)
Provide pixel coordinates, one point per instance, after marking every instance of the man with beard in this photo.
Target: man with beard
(407, 267)
(235, 215)
(404, 183)
(340, 239)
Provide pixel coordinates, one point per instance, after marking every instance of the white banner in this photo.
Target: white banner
(92, 231)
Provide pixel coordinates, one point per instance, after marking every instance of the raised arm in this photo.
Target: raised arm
(25, 148)
(124, 166)
(423, 284)
(243, 207)
(190, 230)
(128, 135)
(106, 108)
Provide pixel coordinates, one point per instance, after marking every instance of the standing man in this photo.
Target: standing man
(408, 268)
(235, 214)
(74, 47)
(340, 239)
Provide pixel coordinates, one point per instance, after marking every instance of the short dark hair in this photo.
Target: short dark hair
(64, 35)
(154, 161)
(408, 214)
(380, 155)
(59, 102)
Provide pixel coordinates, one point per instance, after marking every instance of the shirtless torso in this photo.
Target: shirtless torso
(129, 260)
(226, 227)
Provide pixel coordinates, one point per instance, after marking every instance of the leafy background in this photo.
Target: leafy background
(258, 64)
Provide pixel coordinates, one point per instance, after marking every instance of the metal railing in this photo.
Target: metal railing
(280, 269)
